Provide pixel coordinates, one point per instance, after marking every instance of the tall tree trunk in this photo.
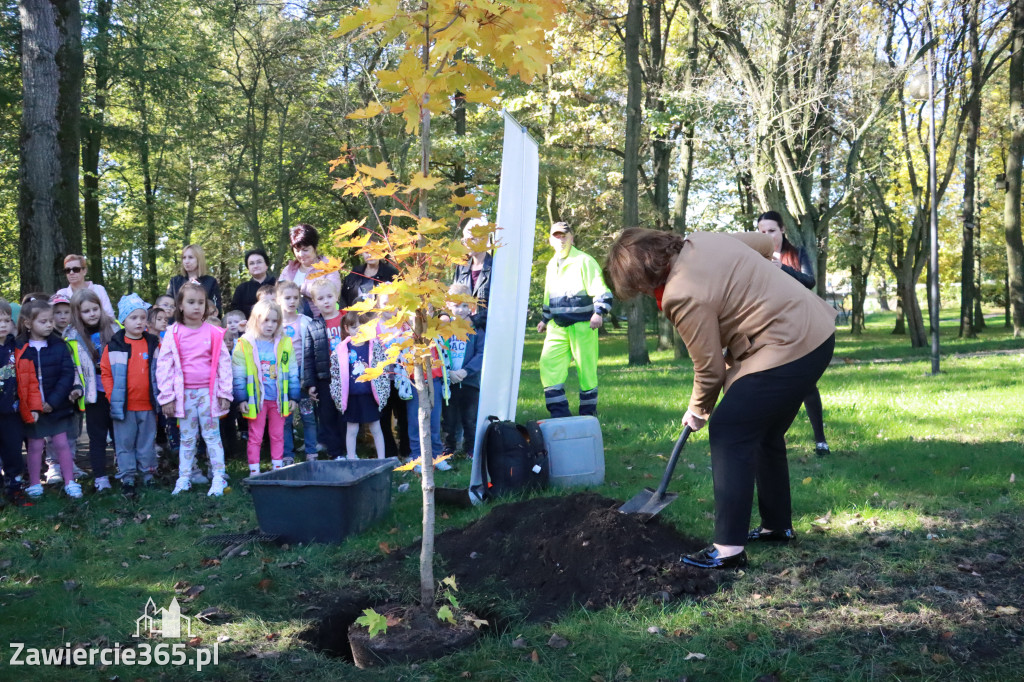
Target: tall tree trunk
(93, 129)
(630, 172)
(42, 207)
(882, 293)
(979, 315)
(190, 201)
(970, 176)
(1011, 212)
(70, 68)
(149, 194)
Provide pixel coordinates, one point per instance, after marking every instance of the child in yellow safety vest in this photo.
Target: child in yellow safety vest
(265, 381)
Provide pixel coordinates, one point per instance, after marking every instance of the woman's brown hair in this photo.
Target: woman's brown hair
(639, 261)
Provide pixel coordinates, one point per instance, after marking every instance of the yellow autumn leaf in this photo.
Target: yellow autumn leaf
(807, 480)
(379, 172)
(420, 181)
(369, 111)
(386, 190)
(466, 200)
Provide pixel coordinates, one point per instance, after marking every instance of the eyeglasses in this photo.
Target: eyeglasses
(76, 269)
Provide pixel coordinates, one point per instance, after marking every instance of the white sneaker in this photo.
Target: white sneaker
(217, 487)
(53, 476)
(443, 465)
(198, 478)
(102, 483)
(74, 490)
(183, 485)
(287, 461)
(34, 490)
(312, 458)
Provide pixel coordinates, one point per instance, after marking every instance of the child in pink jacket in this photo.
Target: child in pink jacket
(193, 374)
(359, 401)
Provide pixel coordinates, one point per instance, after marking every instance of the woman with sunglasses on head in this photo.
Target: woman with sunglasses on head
(75, 269)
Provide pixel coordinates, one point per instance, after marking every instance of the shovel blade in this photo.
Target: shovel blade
(455, 497)
(647, 502)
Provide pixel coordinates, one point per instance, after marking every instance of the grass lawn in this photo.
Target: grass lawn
(908, 563)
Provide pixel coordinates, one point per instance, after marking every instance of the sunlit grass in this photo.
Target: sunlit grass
(919, 479)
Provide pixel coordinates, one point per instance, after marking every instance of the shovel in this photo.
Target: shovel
(650, 502)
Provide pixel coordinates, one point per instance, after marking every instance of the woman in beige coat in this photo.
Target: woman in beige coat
(753, 333)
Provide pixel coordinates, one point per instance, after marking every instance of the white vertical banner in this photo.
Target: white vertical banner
(508, 300)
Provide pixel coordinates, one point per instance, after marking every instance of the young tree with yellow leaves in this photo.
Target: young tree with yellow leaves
(447, 44)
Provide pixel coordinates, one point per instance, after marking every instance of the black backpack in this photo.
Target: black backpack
(516, 459)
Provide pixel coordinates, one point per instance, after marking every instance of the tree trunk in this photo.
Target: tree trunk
(149, 194)
(93, 127)
(41, 202)
(630, 171)
(970, 178)
(69, 120)
(190, 201)
(1011, 212)
(883, 294)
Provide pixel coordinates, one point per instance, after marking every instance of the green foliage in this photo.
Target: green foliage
(375, 623)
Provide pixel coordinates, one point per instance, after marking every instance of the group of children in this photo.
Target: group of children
(173, 369)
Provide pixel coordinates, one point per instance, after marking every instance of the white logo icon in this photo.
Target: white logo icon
(165, 623)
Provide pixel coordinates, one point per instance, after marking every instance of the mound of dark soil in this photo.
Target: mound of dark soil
(550, 553)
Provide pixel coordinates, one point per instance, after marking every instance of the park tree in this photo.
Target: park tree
(439, 37)
(1014, 156)
(49, 215)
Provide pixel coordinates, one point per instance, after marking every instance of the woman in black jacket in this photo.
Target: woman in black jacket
(796, 263)
(258, 264)
(193, 267)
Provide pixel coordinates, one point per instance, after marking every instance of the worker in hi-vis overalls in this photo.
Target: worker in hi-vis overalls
(576, 299)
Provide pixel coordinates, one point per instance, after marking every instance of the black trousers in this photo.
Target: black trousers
(395, 406)
(98, 424)
(462, 407)
(747, 432)
(812, 403)
(10, 447)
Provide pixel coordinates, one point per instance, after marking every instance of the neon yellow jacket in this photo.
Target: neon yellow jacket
(247, 383)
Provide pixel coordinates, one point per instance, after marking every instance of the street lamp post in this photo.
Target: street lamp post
(922, 86)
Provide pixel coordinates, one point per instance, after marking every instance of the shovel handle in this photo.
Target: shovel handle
(672, 462)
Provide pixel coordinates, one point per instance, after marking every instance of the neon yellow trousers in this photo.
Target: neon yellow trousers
(562, 344)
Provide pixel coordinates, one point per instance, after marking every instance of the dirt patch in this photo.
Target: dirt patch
(548, 554)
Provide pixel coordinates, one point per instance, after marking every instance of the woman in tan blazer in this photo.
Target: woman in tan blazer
(754, 334)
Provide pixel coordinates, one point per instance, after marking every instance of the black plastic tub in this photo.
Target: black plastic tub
(323, 501)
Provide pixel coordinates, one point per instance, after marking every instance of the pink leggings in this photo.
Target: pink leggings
(268, 418)
(35, 457)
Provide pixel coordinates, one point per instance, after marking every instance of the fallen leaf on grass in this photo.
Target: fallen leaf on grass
(807, 480)
(221, 639)
(292, 564)
(466, 675)
(195, 641)
(265, 584)
(207, 562)
(695, 656)
(70, 585)
(732, 646)
(144, 556)
(751, 636)
(1007, 610)
(623, 673)
(173, 517)
(272, 636)
(212, 614)
(939, 658)
(518, 643)
(1013, 478)
(476, 622)
(191, 593)
(534, 656)
(558, 642)
(947, 635)
(142, 518)
(385, 547)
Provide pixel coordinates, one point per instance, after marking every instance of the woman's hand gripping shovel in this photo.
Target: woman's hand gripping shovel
(650, 502)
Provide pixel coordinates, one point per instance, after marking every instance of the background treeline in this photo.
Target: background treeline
(216, 122)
